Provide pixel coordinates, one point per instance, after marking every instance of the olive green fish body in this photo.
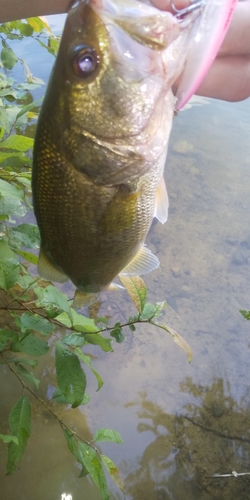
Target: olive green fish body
(91, 238)
(101, 142)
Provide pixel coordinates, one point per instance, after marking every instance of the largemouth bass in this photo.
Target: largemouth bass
(101, 141)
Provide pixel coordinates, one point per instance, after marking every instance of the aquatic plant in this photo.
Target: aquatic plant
(35, 310)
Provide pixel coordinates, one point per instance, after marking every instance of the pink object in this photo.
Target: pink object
(212, 27)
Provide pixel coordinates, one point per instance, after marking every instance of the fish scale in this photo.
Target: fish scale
(101, 145)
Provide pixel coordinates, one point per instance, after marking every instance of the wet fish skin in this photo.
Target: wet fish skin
(99, 157)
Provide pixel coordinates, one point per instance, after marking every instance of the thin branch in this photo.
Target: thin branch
(61, 325)
(217, 433)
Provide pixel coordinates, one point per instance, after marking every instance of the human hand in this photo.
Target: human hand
(229, 76)
(13, 9)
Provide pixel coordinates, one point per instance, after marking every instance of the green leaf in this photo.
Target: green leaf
(51, 295)
(26, 281)
(26, 361)
(27, 375)
(30, 257)
(26, 29)
(245, 314)
(28, 85)
(38, 24)
(108, 435)
(25, 180)
(136, 289)
(71, 378)
(28, 322)
(9, 266)
(8, 57)
(132, 327)
(74, 339)
(113, 471)
(9, 273)
(87, 360)
(17, 142)
(20, 426)
(118, 335)
(177, 339)
(158, 308)
(90, 462)
(4, 122)
(83, 472)
(5, 156)
(9, 95)
(93, 464)
(58, 397)
(30, 235)
(12, 207)
(10, 191)
(72, 443)
(6, 252)
(36, 81)
(78, 321)
(31, 345)
(96, 339)
(102, 319)
(148, 312)
(6, 339)
(28, 107)
(12, 113)
(53, 46)
(7, 438)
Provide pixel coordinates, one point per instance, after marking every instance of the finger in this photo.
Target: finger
(11, 9)
(237, 40)
(166, 4)
(228, 79)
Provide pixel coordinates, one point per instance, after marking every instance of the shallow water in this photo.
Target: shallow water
(181, 423)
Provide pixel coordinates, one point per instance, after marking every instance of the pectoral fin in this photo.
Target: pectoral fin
(161, 203)
(144, 262)
(48, 271)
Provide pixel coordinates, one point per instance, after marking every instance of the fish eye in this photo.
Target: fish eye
(85, 61)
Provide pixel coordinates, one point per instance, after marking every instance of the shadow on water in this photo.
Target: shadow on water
(210, 436)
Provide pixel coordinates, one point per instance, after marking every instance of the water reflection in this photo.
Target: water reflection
(210, 435)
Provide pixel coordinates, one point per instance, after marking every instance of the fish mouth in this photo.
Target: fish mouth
(138, 32)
